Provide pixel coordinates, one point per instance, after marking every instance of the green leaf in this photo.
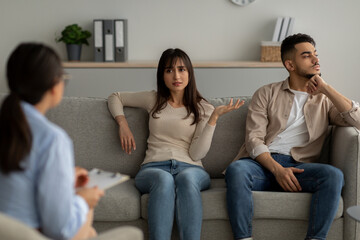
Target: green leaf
(73, 34)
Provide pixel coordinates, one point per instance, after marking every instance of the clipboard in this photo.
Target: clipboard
(104, 179)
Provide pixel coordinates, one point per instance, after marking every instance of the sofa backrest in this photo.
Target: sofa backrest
(95, 134)
(229, 136)
(96, 142)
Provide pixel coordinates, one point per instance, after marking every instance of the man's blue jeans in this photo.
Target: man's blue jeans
(246, 175)
(174, 189)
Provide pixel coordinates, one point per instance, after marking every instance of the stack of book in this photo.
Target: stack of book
(110, 40)
(283, 28)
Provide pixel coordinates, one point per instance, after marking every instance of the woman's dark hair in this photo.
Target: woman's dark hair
(191, 96)
(288, 45)
(32, 69)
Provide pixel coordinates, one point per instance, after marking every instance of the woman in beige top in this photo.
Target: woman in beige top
(181, 127)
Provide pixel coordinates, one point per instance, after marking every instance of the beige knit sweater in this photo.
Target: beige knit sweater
(171, 136)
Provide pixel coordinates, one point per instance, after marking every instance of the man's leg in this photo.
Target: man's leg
(242, 177)
(325, 182)
(161, 188)
(189, 182)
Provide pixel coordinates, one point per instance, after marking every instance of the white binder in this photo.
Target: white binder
(98, 41)
(109, 40)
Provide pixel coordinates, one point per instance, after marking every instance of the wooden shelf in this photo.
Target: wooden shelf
(153, 64)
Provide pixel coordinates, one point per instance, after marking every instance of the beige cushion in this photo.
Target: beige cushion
(11, 229)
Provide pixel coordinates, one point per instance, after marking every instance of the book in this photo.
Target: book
(104, 179)
(284, 29)
(277, 29)
(290, 27)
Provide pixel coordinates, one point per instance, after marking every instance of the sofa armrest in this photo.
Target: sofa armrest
(345, 155)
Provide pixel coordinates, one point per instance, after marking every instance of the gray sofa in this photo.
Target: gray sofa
(278, 215)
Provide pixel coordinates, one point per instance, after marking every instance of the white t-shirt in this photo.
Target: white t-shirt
(295, 133)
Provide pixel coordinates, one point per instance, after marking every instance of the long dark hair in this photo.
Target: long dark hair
(192, 97)
(32, 69)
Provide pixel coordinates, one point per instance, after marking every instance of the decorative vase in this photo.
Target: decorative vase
(73, 51)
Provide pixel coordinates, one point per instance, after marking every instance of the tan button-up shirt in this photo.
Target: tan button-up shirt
(268, 114)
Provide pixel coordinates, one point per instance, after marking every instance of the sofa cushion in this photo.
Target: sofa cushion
(120, 203)
(267, 205)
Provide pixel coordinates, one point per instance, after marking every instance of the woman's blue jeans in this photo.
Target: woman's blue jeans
(246, 175)
(174, 189)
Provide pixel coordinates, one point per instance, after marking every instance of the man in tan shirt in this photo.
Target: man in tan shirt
(286, 127)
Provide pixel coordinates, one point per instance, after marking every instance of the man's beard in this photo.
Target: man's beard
(303, 73)
(308, 76)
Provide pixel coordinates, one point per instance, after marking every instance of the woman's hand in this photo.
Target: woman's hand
(223, 109)
(81, 177)
(91, 195)
(126, 136)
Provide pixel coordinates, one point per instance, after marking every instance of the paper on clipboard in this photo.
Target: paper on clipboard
(103, 179)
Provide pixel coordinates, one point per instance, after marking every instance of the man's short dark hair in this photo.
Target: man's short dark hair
(288, 45)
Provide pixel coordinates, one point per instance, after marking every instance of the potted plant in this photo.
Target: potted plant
(73, 36)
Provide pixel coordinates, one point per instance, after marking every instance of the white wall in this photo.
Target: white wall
(205, 29)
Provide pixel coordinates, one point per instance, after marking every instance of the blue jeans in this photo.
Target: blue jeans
(246, 175)
(174, 189)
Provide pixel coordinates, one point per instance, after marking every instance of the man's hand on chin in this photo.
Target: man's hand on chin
(316, 85)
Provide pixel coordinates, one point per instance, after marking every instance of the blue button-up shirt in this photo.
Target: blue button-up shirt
(43, 195)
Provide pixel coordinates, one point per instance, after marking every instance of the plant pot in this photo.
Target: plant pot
(73, 51)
